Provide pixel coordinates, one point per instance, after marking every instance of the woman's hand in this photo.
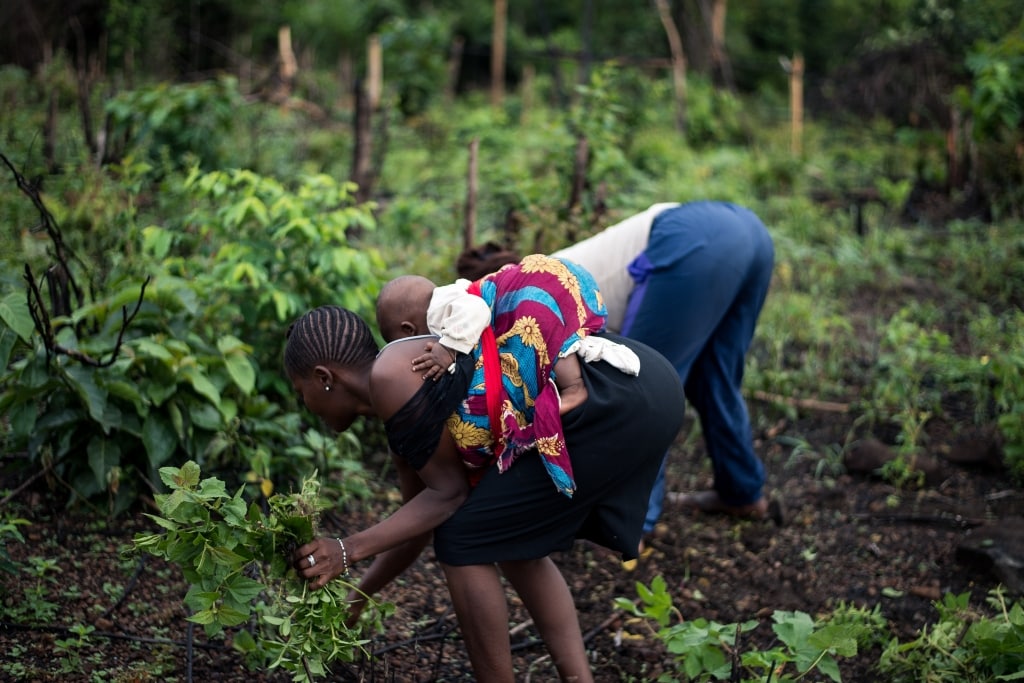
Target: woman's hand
(321, 560)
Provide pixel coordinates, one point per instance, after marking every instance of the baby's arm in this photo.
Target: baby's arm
(458, 318)
(435, 362)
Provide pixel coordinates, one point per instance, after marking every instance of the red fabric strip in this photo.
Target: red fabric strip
(492, 377)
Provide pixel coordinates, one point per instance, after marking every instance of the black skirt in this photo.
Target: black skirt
(616, 440)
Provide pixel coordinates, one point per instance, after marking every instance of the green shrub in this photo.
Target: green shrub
(178, 119)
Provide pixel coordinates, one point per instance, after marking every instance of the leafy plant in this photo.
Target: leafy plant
(236, 559)
(179, 119)
(707, 650)
(34, 607)
(154, 369)
(964, 645)
(70, 648)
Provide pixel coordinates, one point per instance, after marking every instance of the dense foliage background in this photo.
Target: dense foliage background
(177, 189)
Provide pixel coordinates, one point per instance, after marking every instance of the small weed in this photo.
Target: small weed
(70, 648)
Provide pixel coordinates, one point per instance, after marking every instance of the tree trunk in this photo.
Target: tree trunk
(287, 66)
(719, 57)
(586, 37)
(675, 44)
(83, 82)
(526, 94)
(454, 66)
(549, 49)
(363, 143)
(579, 183)
(346, 71)
(498, 53)
(50, 133)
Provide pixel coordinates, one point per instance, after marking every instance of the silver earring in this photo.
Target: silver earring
(327, 387)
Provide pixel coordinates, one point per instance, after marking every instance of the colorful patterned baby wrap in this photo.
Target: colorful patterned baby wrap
(540, 307)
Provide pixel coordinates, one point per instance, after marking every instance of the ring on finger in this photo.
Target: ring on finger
(312, 560)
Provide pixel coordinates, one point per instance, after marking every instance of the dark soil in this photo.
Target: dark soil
(843, 537)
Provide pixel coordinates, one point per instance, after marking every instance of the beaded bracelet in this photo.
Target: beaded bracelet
(344, 557)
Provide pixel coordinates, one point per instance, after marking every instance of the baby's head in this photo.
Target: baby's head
(402, 307)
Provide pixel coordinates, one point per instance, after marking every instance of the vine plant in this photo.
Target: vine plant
(236, 559)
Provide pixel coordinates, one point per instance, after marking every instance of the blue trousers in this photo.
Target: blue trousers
(700, 286)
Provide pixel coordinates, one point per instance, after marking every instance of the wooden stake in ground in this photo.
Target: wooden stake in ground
(454, 65)
(579, 180)
(796, 104)
(675, 44)
(374, 72)
(498, 53)
(361, 162)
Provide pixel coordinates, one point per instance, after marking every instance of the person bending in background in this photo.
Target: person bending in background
(688, 280)
(492, 507)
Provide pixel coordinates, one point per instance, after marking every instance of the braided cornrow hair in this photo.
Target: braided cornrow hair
(328, 334)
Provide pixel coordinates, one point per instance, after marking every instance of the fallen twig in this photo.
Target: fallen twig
(64, 630)
(955, 520)
(808, 403)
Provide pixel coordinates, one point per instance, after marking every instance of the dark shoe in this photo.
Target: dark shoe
(708, 502)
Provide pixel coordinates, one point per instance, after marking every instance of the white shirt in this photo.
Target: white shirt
(608, 254)
(457, 317)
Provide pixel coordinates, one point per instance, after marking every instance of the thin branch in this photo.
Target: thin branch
(63, 630)
(63, 253)
(809, 403)
(43, 325)
(954, 520)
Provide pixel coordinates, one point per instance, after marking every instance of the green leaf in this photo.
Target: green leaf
(241, 371)
(8, 339)
(159, 438)
(234, 510)
(231, 616)
(212, 488)
(202, 384)
(792, 628)
(244, 642)
(128, 391)
(15, 314)
(22, 418)
(206, 616)
(205, 415)
(281, 304)
(149, 347)
(840, 639)
(225, 557)
(104, 455)
(230, 344)
(184, 477)
(242, 589)
(83, 382)
(828, 666)
(157, 241)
